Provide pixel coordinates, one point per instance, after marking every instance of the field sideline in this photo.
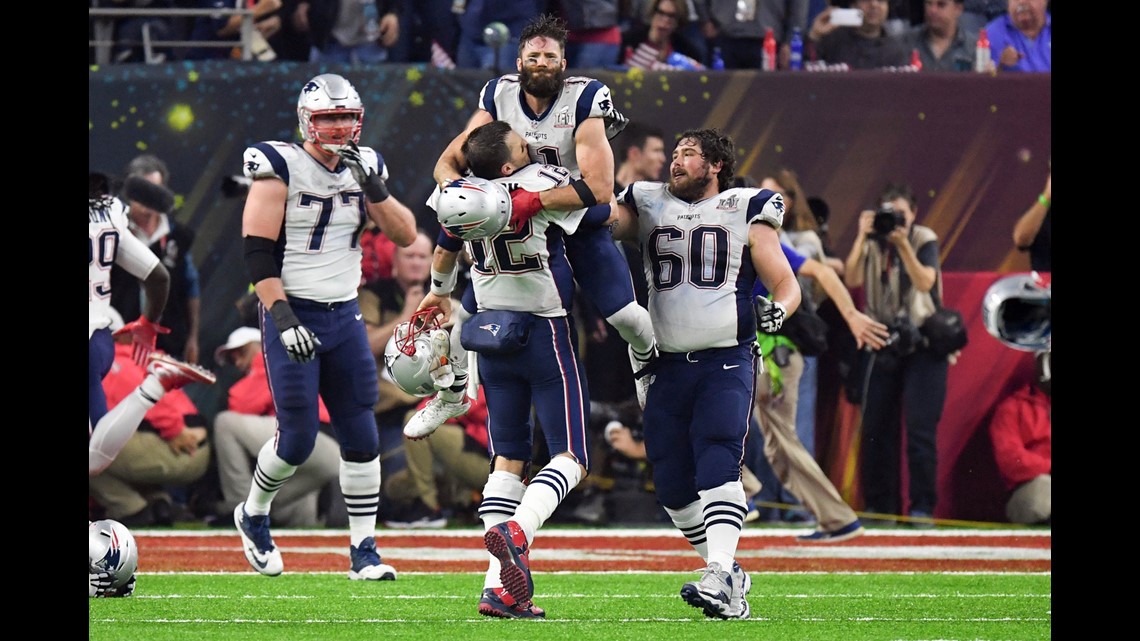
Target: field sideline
(895, 584)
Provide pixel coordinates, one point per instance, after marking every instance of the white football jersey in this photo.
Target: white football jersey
(549, 136)
(324, 218)
(526, 271)
(697, 262)
(111, 243)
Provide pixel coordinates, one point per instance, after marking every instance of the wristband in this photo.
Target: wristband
(283, 316)
(583, 191)
(375, 190)
(1043, 200)
(442, 283)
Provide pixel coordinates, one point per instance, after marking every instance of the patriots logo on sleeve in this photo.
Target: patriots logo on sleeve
(251, 166)
(493, 328)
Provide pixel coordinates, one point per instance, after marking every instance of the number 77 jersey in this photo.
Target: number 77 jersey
(324, 218)
(698, 264)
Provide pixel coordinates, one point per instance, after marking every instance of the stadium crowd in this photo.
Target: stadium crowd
(927, 35)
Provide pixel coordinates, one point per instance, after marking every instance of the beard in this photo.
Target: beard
(541, 86)
(691, 188)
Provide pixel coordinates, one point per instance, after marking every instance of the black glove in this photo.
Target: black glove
(769, 315)
(300, 343)
(373, 185)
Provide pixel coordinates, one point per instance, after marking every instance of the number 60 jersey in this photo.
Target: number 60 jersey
(324, 217)
(698, 263)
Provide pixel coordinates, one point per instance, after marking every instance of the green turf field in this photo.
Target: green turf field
(606, 606)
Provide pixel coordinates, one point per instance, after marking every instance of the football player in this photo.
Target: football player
(565, 121)
(111, 243)
(303, 217)
(525, 272)
(699, 300)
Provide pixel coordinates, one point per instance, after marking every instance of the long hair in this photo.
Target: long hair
(802, 218)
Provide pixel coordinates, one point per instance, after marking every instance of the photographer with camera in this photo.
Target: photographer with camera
(896, 262)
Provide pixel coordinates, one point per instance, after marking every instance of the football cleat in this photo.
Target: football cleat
(497, 602)
(366, 563)
(507, 542)
(257, 543)
(741, 586)
(712, 593)
(434, 414)
(174, 374)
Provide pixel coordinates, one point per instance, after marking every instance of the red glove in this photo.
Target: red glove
(524, 205)
(144, 333)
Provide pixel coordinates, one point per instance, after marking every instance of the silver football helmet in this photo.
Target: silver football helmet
(1017, 310)
(329, 93)
(111, 548)
(473, 208)
(418, 355)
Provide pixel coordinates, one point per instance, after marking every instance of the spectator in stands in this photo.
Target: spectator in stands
(474, 52)
(293, 41)
(593, 38)
(378, 249)
(798, 232)
(249, 421)
(738, 28)
(865, 47)
(128, 31)
(1022, 434)
(897, 270)
(171, 241)
(168, 451)
(1033, 231)
(226, 28)
(777, 408)
(1022, 39)
(432, 32)
(353, 31)
(658, 42)
(459, 449)
(977, 13)
(941, 42)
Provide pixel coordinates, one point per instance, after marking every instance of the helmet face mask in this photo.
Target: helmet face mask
(1017, 310)
(473, 208)
(112, 549)
(409, 356)
(329, 94)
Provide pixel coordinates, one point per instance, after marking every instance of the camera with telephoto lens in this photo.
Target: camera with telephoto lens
(886, 219)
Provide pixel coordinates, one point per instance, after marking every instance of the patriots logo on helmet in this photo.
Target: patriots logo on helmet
(309, 87)
(461, 230)
(491, 327)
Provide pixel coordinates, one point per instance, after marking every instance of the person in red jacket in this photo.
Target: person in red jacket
(1022, 435)
(248, 424)
(168, 450)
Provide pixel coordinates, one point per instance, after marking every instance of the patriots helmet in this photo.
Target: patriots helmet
(1017, 310)
(473, 208)
(329, 93)
(417, 348)
(111, 548)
